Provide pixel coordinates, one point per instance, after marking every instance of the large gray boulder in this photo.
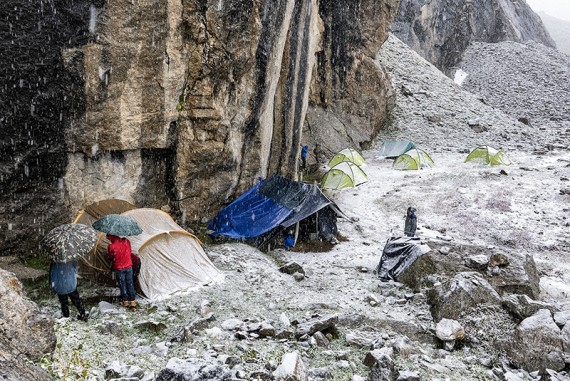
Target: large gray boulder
(25, 333)
(537, 344)
(516, 275)
(456, 296)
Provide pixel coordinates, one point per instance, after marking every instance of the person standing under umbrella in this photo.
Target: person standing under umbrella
(63, 282)
(119, 252)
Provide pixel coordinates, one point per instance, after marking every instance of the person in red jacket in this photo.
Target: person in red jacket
(119, 251)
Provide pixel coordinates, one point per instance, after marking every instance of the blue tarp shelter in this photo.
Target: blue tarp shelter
(273, 202)
(395, 148)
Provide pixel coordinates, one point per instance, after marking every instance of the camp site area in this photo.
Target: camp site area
(457, 203)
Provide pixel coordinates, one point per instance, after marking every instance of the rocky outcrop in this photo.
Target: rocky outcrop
(25, 333)
(516, 274)
(441, 30)
(148, 100)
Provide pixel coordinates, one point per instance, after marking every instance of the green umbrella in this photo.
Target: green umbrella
(69, 242)
(117, 224)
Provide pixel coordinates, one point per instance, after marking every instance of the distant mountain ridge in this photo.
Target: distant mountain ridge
(559, 31)
(441, 30)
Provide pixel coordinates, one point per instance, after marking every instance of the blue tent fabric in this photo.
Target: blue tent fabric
(275, 201)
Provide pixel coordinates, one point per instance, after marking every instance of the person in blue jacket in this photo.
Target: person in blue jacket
(304, 152)
(63, 282)
(288, 240)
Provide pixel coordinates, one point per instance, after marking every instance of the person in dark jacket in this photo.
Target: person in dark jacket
(63, 282)
(119, 252)
(411, 222)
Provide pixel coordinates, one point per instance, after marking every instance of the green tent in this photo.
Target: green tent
(347, 154)
(488, 155)
(344, 175)
(413, 159)
(395, 148)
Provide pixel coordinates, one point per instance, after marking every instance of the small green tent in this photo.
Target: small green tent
(488, 155)
(349, 155)
(344, 175)
(413, 159)
(395, 148)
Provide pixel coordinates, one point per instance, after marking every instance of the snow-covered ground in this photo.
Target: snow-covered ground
(523, 207)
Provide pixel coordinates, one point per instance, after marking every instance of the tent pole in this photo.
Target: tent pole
(296, 233)
(317, 224)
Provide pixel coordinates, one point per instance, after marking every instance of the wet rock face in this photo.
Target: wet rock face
(24, 332)
(37, 99)
(146, 101)
(460, 22)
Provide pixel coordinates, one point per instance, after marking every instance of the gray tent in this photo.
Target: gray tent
(394, 148)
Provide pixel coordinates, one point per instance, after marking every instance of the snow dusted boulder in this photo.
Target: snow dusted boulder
(310, 327)
(537, 344)
(24, 332)
(118, 369)
(522, 306)
(192, 369)
(515, 274)
(449, 330)
(291, 368)
(464, 291)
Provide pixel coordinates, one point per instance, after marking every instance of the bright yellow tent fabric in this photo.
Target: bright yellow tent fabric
(344, 175)
(488, 155)
(347, 154)
(413, 159)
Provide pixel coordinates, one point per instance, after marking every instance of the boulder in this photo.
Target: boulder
(292, 268)
(522, 306)
(407, 375)
(291, 368)
(454, 297)
(118, 369)
(378, 355)
(383, 370)
(561, 318)
(537, 343)
(310, 327)
(517, 274)
(449, 330)
(192, 369)
(25, 333)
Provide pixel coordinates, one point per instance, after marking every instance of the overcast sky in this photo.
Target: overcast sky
(556, 8)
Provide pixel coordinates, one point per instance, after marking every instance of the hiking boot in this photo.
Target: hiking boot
(83, 317)
(133, 303)
(125, 303)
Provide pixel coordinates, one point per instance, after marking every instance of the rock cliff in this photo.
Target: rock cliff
(176, 102)
(441, 30)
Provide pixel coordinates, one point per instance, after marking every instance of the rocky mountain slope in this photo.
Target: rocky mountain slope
(559, 30)
(144, 101)
(441, 30)
(529, 82)
(498, 268)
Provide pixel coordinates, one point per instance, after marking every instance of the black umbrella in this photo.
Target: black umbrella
(69, 242)
(117, 224)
